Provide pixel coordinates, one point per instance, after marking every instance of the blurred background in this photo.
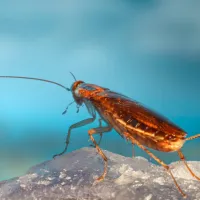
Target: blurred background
(148, 50)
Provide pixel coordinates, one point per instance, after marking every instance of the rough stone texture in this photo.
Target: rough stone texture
(71, 177)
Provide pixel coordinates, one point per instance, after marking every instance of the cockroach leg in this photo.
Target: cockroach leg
(193, 137)
(101, 134)
(156, 159)
(100, 152)
(78, 124)
(182, 157)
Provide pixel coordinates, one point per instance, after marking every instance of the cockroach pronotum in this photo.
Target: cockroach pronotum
(134, 122)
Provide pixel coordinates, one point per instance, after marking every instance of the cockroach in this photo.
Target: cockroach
(133, 121)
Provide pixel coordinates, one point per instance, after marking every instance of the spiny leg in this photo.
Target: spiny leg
(193, 137)
(78, 124)
(100, 152)
(100, 125)
(157, 160)
(182, 157)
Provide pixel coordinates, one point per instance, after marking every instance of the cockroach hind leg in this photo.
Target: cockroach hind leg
(134, 141)
(182, 157)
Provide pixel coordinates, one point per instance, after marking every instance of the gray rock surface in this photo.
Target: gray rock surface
(71, 177)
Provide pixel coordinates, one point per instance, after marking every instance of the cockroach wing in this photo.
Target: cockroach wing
(132, 112)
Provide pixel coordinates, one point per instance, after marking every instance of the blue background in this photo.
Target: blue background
(147, 50)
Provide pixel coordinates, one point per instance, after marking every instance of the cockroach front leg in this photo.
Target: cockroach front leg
(100, 152)
(78, 124)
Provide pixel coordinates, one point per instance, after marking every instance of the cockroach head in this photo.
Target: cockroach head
(75, 93)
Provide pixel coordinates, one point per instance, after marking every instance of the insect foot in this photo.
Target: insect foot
(98, 180)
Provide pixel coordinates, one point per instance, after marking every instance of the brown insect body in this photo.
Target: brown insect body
(126, 115)
(131, 120)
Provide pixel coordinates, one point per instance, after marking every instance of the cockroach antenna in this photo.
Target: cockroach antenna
(37, 79)
(73, 76)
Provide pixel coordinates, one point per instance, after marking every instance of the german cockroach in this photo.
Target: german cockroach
(131, 120)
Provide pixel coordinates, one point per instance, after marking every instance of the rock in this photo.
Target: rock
(71, 177)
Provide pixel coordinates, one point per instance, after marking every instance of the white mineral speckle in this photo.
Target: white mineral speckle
(44, 182)
(159, 180)
(50, 178)
(62, 175)
(127, 179)
(149, 197)
(22, 185)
